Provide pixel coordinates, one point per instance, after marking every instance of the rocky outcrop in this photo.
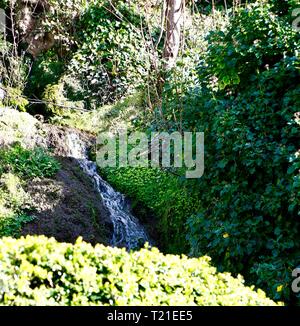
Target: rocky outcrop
(66, 206)
(20, 127)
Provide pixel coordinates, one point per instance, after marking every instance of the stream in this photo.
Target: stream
(127, 230)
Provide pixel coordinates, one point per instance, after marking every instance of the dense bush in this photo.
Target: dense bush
(246, 100)
(249, 216)
(58, 102)
(111, 58)
(46, 70)
(40, 271)
(167, 197)
(250, 191)
(255, 40)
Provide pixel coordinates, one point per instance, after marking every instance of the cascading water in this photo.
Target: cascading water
(128, 232)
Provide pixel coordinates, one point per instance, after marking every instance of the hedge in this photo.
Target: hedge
(41, 271)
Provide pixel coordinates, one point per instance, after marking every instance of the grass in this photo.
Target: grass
(123, 114)
(17, 166)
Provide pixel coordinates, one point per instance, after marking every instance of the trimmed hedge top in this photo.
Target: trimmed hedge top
(41, 271)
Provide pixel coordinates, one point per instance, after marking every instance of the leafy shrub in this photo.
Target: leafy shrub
(15, 99)
(12, 191)
(184, 76)
(46, 70)
(13, 202)
(246, 100)
(27, 163)
(41, 271)
(11, 225)
(17, 163)
(168, 198)
(110, 60)
(255, 40)
(250, 200)
(57, 101)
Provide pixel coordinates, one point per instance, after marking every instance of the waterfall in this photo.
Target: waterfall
(127, 230)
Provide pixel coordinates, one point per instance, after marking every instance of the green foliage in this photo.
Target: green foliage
(57, 102)
(46, 70)
(15, 99)
(184, 77)
(280, 7)
(12, 192)
(250, 204)
(165, 195)
(13, 202)
(125, 113)
(59, 20)
(255, 40)
(244, 211)
(246, 100)
(284, 7)
(99, 55)
(41, 271)
(18, 127)
(13, 75)
(110, 60)
(55, 99)
(17, 163)
(27, 163)
(11, 225)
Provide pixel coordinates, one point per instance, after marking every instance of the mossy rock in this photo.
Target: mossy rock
(20, 127)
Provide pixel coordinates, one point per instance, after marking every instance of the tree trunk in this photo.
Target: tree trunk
(174, 20)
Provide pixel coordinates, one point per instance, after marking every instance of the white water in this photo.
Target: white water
(128, 232)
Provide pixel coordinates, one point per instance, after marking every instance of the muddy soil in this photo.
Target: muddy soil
(67, 206)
